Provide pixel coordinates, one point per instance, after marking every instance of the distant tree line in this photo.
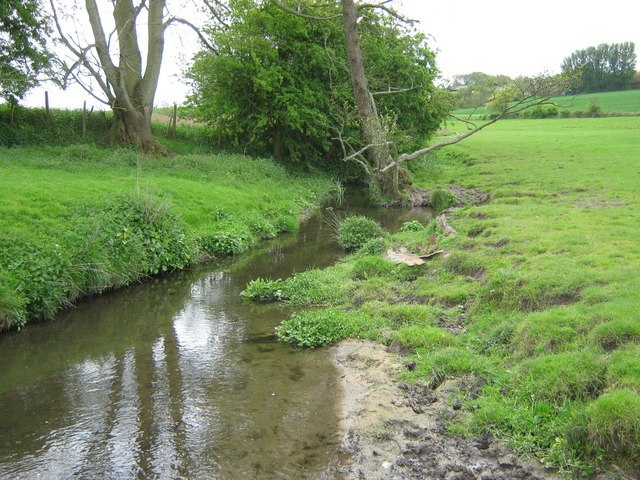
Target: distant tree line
(607, 67)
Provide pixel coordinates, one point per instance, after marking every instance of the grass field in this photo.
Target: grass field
(624, 102)
(80, 219)
(536, 303)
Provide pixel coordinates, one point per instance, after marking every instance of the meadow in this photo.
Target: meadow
(534, 303)
(79, 219)
(611, 103)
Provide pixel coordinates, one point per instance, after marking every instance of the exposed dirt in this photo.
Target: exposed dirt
(422, 198)
(396, 431)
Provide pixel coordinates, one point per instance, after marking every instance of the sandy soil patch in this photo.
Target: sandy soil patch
(396, 431)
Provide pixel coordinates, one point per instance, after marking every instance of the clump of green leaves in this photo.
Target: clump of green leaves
(324, 327)
(412, 226)
(356, 230)
(263, 289)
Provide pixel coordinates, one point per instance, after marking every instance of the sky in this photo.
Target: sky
(492, 36)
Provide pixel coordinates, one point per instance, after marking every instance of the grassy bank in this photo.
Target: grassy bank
(81, 219)
(535, 303)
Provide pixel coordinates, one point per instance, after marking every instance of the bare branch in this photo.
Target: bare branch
(523, 104)
(203, 39)
(213, 9)
(392, 91)
(298, 13)
(390, 11)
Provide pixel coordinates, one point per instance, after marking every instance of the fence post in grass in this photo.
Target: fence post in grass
(173, 121)
(46, 102)
(84, 118)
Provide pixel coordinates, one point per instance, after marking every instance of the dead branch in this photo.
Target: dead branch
(298, 13)
(202, 38)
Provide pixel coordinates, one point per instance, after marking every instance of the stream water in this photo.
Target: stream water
(178, 378)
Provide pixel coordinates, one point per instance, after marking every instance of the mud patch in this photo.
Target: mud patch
(422, 198)
(396, 431)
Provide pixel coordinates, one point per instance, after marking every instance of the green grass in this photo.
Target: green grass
(537, 298)
(80, 219)
(627, 101)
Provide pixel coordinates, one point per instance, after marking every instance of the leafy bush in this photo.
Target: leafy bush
(356, 230)
(412, 226)
(541, 111)
(265, 290)
(595, 109)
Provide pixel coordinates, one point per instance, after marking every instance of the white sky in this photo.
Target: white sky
(491, 36)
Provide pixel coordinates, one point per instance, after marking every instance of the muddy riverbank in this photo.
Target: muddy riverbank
(393, 430)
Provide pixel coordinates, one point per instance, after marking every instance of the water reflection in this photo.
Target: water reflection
(175, 378)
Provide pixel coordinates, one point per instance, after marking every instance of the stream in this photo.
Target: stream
(179, 377)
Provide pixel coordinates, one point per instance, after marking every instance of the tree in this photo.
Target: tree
(279, 83)
(475, 89)
(379, 158)
(23, 53)
(602, 68)
(125, 84)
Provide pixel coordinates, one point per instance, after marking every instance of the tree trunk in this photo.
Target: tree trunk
(132, 127)
(372, 129)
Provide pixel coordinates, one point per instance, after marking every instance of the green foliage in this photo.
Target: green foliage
(412, 226)
(324, 327)
(32, 126)
(606, 67)
(541, 111)
(475, 89)
(276, 84)
(265, 290)
(357, 230)
(23, 54)
(442, 199)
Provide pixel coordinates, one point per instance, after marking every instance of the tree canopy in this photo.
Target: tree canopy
(23, 53)
(602, 68)
(279, 83)
(476, 88)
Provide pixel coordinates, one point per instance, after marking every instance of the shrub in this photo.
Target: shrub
(594, 110)
(441, 199)
(356, 230)
(412, 226)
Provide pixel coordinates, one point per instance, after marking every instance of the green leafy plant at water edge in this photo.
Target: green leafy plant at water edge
(412, 226)
(265, 290)
(356, 230)
(324, 327)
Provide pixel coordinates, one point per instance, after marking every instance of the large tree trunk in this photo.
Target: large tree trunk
(131, 127)
(372, 129)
